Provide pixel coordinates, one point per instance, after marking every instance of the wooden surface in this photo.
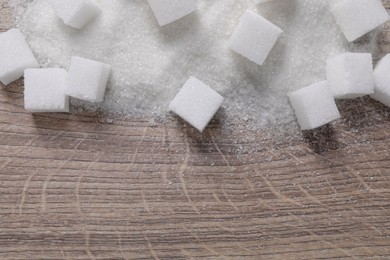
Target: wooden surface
(79, 187)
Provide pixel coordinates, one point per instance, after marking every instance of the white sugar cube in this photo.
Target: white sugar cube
(358, 17)
(168, 11)
(349, 75)
(382, 81)
(196, 103)
(15, 56)
(87, 79)
(314, 106)
(254, 37)
(76, 13)
(44, 90)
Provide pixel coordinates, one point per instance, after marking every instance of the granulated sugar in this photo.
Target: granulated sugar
(150, 63)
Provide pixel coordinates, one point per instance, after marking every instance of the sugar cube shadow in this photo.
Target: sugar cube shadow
(208, 143)
(363, 112)
(322, 139)
(16, 87)
(66, 121)
(215, 124)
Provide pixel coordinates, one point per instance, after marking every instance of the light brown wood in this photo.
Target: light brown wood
(78, 187)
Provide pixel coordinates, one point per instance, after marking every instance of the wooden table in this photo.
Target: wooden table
(79, 187)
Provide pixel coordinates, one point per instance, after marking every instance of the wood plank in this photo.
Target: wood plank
(79, 187)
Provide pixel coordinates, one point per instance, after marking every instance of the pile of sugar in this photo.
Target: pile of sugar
(150, 63)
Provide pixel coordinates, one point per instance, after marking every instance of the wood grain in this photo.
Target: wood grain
(79, 187)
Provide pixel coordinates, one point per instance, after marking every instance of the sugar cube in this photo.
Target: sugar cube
(254, 37)
(76, 13)
(349, 75)
(87, 79)
(196, 103)
(382, 81)
(15, 56)
(314, 106)
(358, 17)
(44, 90)
(168, 11)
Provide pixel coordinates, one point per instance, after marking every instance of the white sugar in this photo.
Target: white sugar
(350, 75)
(87, 79)
(44, 90)
(15, 56)
(150, 63)
(314, 106)
(196, 103)
(358, 17)
(254, 37)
